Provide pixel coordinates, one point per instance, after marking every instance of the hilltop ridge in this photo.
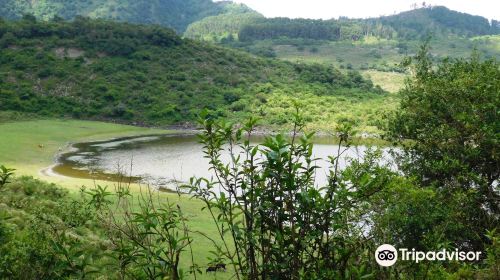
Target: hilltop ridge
(177, 14)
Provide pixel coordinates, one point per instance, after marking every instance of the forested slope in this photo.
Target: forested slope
(411, 25)
(177, 14)
(438, 21)
(95, 69)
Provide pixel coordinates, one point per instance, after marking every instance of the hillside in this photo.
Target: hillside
(94, 69)
(374, 46)
(438, 21)
(221, 27)
(177, 14)
(411, 25)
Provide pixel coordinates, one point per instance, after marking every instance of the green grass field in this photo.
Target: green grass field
(19, 148)
(389, 81)
(30, 146)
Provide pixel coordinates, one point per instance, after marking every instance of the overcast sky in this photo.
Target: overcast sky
(327, 9)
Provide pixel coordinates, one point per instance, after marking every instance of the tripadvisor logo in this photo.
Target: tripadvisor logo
(387, 255)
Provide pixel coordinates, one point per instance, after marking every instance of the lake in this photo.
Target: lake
(165, 161)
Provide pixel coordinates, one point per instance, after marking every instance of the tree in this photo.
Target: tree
(273, 221)
(448, 126)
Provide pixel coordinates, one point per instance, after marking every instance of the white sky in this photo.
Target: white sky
(327, 9)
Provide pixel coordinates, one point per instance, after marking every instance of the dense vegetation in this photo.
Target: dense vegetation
(329, 30)
(448, 125)
(375, 44)
(215, 20)
(49, 233)
(271, 220)
(225, 27)
(95, 69)
(412, 25)
(439, 21)
(328, 41)
(262, 215)
(177, 14)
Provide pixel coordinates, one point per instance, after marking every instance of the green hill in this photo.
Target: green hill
(374, 46)
(177, 14)
(438, 21)
(221, 27)
(94, 69)
(411, 25)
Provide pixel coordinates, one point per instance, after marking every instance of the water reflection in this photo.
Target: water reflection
(166, 160)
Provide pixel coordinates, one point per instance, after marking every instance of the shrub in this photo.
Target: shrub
(5, 174)
(279, 224)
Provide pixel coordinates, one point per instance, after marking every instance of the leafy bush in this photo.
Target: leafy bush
(5, 174)
(274, 222)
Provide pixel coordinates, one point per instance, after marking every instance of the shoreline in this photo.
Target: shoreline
(70, 147)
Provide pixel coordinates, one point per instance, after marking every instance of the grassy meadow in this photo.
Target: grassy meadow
(30, 146)
(20, 143)
(388, 81)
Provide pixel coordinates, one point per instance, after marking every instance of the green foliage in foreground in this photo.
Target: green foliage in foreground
(5, 174)
(272, 222)
(449, 127)
(146, 74)
(271, 219)
(282, 225)
(46, 233)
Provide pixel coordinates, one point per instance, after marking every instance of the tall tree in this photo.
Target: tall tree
(449, 126)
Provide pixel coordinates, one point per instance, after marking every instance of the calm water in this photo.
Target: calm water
(165, 160)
